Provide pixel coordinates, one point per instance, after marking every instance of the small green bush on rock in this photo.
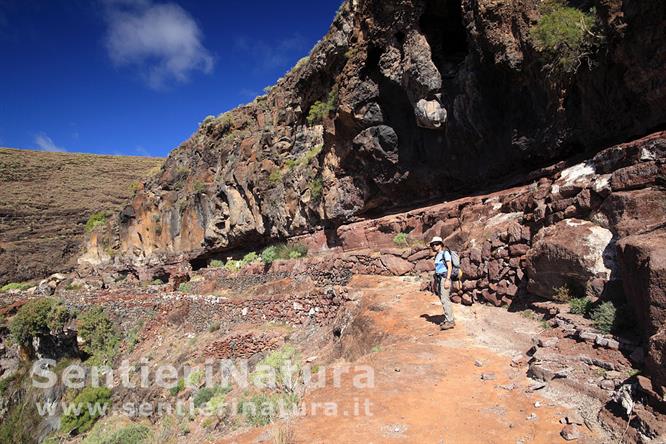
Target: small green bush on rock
(604, 316)
(15, 286)
(262, 409)
(216, 263)
(319, 110)
(316, 188)
(93, 402)
(180, 385)
(562, 294)
(401, 239)
(275, 176)
(283, 251)
(565, 37)
(100, 337)
(269, 254)
(131, 434)
(581, 306)
(38, 316)
(96, 220)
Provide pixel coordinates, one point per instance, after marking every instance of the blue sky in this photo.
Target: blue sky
(135, 77)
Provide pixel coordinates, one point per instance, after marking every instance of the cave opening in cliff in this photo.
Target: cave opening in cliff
(199, 262)
(442, 25)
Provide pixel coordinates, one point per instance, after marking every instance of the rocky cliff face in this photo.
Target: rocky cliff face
(401, 102)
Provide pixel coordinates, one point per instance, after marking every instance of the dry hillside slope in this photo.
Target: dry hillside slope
(46, 199)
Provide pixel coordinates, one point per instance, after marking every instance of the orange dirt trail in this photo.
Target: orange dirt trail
(428, 388)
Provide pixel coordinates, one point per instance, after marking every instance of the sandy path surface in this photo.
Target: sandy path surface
(428, 385)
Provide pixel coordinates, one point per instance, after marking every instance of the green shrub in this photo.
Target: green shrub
(604, 316)
(283, 251)
(275, 176)
(277, 360)
(194, 378)
(262, 409)
(216, 263)
(351, 53)
(101, 340)
(300, 250)
(91, 400)
(311, 154)
(565, 36)
(17, 424)
(250, 257)
(562, 294)
(180, 385)
(35, 317)
(199, 187)
(5, 383)
(401, 239)
(15, 286)
(319, 110)
(269, 254)
(225, 120)
(184, 287)
(581, 306)
(316, 188)
(130, 434)
(206, 394)
(133, 336)
(290, 164)
(233, 265)
(96, 220)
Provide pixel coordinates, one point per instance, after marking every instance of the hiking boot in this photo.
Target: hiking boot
(447, 325)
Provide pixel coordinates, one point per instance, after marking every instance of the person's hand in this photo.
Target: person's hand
(447, 283)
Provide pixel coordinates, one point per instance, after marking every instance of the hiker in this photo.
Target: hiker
(443, 282)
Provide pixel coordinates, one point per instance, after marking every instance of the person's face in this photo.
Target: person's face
(436, 247)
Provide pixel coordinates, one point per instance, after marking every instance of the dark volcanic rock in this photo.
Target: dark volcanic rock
(418, 100)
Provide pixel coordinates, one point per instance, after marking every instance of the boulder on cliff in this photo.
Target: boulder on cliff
(570, 253)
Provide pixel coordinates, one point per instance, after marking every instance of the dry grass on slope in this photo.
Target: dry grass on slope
(46, 199)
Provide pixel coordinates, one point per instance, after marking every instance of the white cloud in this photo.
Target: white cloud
(45, 143)
(162, 41)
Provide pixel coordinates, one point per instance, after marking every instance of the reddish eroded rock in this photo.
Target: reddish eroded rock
(634, 212)
(572, 252)
(242, 345)
(397, 266)
(636, 176)
(642, 259)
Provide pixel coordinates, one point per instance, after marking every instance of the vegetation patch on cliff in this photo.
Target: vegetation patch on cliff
(566, 37)
(319, 110)
(38, 316)
(100, 337)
